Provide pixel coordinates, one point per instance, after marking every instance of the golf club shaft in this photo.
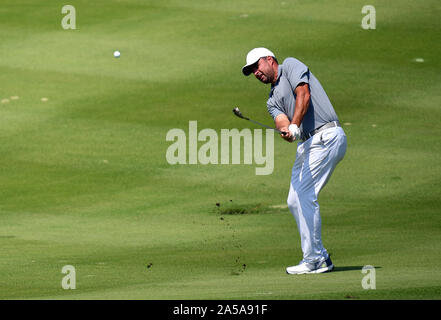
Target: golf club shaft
(237, 112)
(264, 125)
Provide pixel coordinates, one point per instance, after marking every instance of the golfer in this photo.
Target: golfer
(302, 110)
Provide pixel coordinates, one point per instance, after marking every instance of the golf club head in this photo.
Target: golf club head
(237, 112)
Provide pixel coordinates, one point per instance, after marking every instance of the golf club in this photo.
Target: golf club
(237, 112)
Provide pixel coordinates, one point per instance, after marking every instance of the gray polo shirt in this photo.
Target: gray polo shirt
(283, 100)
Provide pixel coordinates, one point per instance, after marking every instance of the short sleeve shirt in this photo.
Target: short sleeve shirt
(282, 98)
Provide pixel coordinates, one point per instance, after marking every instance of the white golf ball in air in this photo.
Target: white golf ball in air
(116, 54)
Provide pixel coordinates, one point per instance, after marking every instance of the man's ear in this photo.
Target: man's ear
(271, 60)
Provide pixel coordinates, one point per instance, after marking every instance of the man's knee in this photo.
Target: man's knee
(295, 195)
(293, 198)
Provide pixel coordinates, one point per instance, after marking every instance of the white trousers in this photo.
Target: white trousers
(315, 161)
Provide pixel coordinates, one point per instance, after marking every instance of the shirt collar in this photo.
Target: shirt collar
(279, 75)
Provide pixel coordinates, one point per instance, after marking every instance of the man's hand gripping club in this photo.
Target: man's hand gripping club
(292, 131)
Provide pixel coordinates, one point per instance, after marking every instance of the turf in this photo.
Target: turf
(85, 180)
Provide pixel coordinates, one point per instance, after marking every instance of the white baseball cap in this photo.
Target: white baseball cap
(253, 56)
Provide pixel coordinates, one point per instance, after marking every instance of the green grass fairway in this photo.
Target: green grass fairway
(84, 179)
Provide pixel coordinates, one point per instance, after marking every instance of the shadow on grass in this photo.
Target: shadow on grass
(350, 268)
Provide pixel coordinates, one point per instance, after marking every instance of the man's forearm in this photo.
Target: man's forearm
(302, 104)
(301, 107)
(281, 122)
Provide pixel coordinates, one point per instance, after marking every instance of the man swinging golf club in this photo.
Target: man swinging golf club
(301, 109)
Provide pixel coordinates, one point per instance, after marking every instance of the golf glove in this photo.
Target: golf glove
(295, 131)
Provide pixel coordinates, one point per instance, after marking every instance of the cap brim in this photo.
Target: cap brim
(246, 70)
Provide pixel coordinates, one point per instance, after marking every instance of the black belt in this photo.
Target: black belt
(323, 127)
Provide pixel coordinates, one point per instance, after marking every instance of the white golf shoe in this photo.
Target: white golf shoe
(324, 265)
